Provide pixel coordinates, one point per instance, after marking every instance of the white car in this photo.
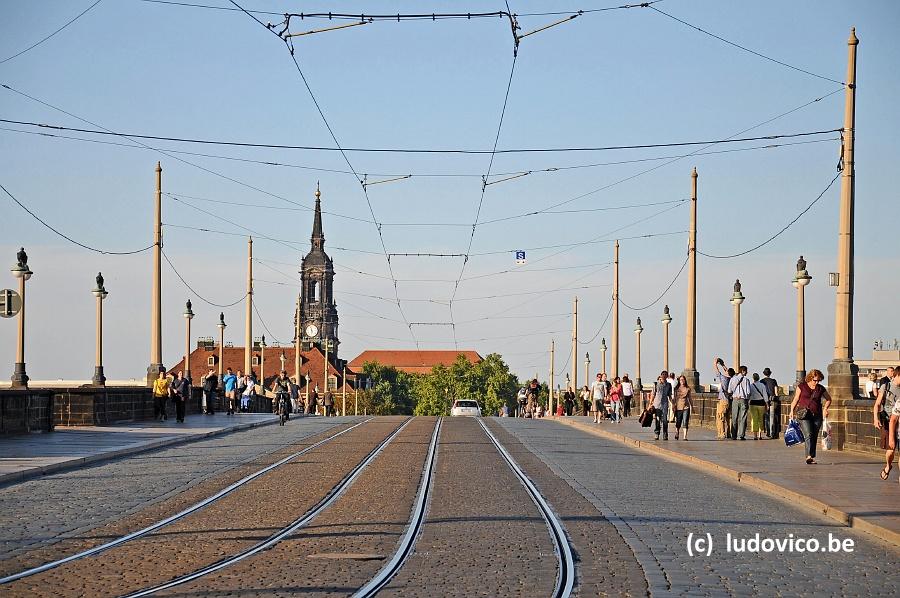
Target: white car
(466, 407)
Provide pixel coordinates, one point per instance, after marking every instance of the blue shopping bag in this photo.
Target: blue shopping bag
(793, 435)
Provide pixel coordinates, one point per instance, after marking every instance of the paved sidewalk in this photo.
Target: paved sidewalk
(844, 486)
(28, 455)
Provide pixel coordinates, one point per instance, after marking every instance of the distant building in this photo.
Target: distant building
(881, 359)
(318, 315)
(412, 361)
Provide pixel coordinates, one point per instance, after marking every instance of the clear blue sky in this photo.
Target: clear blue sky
(608, 78)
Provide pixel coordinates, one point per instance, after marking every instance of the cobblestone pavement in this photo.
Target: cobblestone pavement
(69, 505)
(347, 544)
(240, 519)
(483, 536)
(604, 563)
(655, 503)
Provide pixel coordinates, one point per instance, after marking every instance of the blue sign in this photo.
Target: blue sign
(520, 256)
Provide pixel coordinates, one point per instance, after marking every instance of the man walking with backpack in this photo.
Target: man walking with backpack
(739, 387)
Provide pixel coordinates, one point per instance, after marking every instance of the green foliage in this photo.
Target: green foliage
(393, 393)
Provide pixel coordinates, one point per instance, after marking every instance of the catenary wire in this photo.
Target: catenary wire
(661, 295)
(778, 234)
(68, 238)
(745, 49)
(600, 329)
(263, 322)
(396, 150)
(42, 40)
(191, 289)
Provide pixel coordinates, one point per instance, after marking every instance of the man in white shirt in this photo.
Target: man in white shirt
(739, 387)
(598, 395)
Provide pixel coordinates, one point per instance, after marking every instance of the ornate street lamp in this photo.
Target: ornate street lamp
(188, 316)
(666, 320)
(801, 279)
(736, 299)
(221, 325)
(638, 329)
(23, 273)
(587, 368)
(603, 355)
(100, 293)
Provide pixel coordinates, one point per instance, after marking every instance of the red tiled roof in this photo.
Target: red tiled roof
(312, 362)
(412, 361)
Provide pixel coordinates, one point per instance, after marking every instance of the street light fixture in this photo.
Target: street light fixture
(799, 282)
(23, 273)
(100, 293)
(736, 299)
(188, 316)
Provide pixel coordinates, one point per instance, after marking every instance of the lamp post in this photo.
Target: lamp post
(801, 279)
(603, 355)
(666, 320)
(100, 293)
(222, 327)
(344, 391)
(262, 364)
(23, 273)
(188, 316)
(587, 367)
(307, 388)
(736, 299)
(637, 353)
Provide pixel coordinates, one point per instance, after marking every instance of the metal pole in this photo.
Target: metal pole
(842, 372)
(248, 331)
(297, 341)
(156, 362)
(344, 393)
(690, 324)
(575, 345)
(550, 388)
(614, 359)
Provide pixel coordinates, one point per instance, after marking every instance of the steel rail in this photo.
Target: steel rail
(171, 519)
(415, 524)
(280, 535)
(565, 578)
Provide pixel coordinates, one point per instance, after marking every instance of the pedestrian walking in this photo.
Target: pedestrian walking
(296, 402)
(249, 391)
(739, 387)
(723, 405)
(615, 399)
(598, 395)
(181, 393)
(627, 395)
(532, 394)
(759, 397)
(569, 400)
(328, 402)
(160, 395)
(662, 396)
(888, 395)
(229, 383)
(773, 407)
(313, 402)
(210, 385)
(585, 398)
(810, 407)
(684, 404)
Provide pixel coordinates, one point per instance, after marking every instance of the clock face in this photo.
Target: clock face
(311, 330)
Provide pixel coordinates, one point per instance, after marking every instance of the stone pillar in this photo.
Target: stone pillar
(637, 353)
(666, 320)
(22, 272)
(603, 350)
(550, 388)
(248, 330)
(221, 326)
(575, 345)
(614, 359)
(100, 293)
(690, 324)
(800, 281)
(736, 299)
(156, 362)
(843, 374)
(188, 316)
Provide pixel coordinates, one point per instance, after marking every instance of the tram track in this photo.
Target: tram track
(323, 504)
(177, 516)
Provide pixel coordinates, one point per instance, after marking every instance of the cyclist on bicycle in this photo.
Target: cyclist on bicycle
(282, 403)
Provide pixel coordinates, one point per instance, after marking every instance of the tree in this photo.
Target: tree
(391, 392)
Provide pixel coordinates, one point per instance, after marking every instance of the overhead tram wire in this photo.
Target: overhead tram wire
(263, 322)
(274, 163)
(191, 289)
(398, 150)
(67, 237)
(289, 46)
(745, 49)
(166, 153)
(44, 39)
(778, 234)
(661, 295)
(600, 329)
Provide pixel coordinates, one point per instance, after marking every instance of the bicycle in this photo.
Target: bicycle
(281, 399)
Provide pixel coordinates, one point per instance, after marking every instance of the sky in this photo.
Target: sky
(608, 78)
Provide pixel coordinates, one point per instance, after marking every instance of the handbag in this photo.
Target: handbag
(793, 435)
(646, 418)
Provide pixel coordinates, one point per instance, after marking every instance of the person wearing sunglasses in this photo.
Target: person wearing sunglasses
(809, 407)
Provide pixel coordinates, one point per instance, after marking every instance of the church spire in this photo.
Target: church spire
(318, 237)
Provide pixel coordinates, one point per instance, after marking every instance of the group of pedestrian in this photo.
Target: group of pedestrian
(745, 399)
(611, 399)
(528, 402)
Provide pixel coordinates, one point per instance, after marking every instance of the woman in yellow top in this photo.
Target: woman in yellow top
(160, 394)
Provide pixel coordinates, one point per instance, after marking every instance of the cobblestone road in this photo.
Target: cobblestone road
(57, 506)
(655, 504)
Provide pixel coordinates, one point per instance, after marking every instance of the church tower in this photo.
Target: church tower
(318, 312)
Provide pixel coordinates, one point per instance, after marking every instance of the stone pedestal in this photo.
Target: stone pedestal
(693, 379)
(99, 379)
(19, 377)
